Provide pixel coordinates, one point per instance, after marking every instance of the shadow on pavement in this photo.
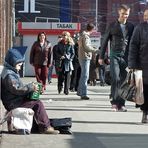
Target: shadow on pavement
(108, 140)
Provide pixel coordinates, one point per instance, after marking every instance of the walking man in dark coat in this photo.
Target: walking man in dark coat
(118, 33)
(138, 58)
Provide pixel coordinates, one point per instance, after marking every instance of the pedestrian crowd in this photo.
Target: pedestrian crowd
(78, 64)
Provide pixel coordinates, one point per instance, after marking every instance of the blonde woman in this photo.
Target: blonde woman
(63, 63)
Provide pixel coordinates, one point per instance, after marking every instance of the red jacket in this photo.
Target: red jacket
(41, 55)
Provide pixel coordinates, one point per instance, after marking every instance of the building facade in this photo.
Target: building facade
(6, 28)
(74, 11)
(77, 11)
(107, 11)
(135, 13)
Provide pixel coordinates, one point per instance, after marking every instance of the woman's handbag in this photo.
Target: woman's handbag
(127, 90)
(62, 124)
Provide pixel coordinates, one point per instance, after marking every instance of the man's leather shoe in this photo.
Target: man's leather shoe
(85, 98)
(144, 117)
(66, 92)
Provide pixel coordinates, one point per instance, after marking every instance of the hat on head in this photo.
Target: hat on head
(14, 56)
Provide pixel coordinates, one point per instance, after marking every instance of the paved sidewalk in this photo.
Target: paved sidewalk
(94, 124)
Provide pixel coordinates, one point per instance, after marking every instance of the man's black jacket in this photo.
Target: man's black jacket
(118, 42)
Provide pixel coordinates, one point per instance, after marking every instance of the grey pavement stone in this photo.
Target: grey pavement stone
(94, 124)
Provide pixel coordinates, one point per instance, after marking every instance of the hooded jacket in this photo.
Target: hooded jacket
(13, 90)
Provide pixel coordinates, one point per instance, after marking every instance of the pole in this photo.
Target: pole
(13, 10)
(96, 15)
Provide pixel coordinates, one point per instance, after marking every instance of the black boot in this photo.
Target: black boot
(59, 89)
(66, 92)
(145, 117)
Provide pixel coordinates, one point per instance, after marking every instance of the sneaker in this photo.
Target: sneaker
(122, 109)
(85, 98)
(51, 130)
(114, 108)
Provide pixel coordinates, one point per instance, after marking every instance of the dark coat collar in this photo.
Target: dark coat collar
(117, 23)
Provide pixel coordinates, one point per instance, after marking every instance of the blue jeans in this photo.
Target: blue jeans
(82, 88)
(50, 73)
(118, 75)
(102, 73)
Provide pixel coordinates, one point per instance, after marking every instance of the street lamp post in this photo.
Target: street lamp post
(13, 11)
(96, 18)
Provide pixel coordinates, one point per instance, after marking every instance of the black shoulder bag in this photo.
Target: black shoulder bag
(127, 90)
(62, 124)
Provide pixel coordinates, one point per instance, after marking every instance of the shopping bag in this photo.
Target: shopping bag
(22, 119)
(139, 97)
(127, 90)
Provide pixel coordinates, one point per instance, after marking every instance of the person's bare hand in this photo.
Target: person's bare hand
(62, 57)
(36, 87)
(101, 61)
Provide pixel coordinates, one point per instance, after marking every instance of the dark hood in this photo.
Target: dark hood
(14, 57)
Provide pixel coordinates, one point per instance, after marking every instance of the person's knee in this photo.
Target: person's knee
(38, 104)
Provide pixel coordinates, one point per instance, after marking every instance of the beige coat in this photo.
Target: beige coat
(85, 47)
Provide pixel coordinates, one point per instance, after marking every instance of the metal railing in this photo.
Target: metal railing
(47, 19)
